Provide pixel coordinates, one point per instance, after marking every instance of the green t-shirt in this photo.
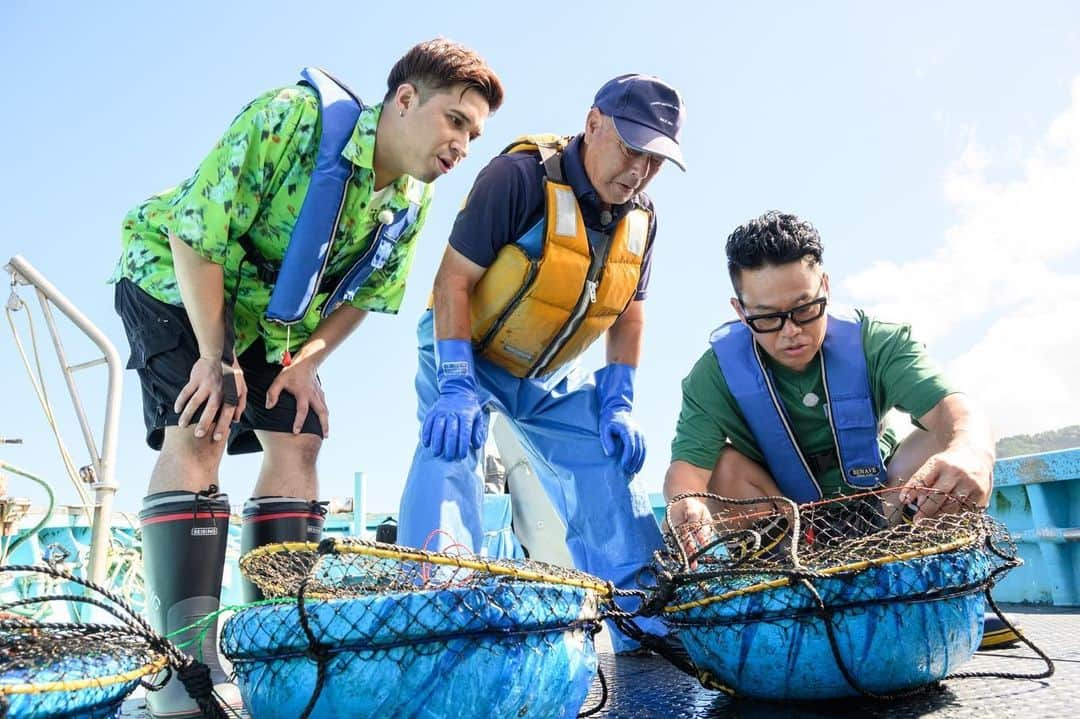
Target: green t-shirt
(254, 182)
(901, 376)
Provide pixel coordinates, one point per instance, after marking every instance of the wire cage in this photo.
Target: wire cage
(58, 670)
(358, 628)
(843, 597)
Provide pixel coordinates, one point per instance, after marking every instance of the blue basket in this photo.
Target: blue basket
(897, 626)
(98, 686)
(511, 648)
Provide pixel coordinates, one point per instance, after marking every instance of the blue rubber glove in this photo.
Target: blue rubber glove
(616, 393)
(455, 422)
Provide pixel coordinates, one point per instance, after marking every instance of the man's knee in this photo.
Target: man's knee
(297, 451)
(911, 454)
(182, 449)
(736, 475)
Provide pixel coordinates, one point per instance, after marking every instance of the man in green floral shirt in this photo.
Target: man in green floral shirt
(199, 266)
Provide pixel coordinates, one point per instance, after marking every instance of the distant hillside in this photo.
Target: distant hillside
(1063, 438)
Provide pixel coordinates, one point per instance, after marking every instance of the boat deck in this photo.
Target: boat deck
(643, 688)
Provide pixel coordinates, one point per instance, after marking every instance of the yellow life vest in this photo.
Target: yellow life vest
(548, 296)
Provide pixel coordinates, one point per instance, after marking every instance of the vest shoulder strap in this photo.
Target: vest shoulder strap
(847, 401)
(549, 147)
(309, 246)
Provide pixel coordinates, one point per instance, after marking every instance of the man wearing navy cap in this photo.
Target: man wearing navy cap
(551, 250)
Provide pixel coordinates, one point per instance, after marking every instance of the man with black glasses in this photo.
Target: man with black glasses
(788, 400)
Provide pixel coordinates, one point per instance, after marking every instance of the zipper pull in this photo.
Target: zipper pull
(286, 359)
(591, 285)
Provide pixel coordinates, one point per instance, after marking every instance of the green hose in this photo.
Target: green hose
(4, 552)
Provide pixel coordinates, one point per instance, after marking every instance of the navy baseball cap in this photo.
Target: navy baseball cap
(648, 114)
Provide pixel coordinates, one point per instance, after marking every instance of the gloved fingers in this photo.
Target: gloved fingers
(639, 453)
(438, 434)
(427, 429)
(479, 430)
(627, 437)
(450, 437)
(607, 439)
(458, 439)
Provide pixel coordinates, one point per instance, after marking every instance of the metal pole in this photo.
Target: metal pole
(359, 505)
(105, 464)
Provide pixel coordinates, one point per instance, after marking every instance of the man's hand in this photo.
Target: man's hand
(692, 522)
(221, 387)
(615, 392)
(958, 474)
(456, 421)
(300, 379)
(962, 472)
(617, 426)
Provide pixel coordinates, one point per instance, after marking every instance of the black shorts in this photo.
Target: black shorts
(163, 351)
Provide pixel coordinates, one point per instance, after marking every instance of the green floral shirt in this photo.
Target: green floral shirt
(253, 182)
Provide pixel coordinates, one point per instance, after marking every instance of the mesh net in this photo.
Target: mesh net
(833, 536)
(857, 595)
(50, 669)
(504, 637)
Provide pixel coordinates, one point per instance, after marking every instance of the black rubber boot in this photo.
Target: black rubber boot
(184, 536)
(270, 520)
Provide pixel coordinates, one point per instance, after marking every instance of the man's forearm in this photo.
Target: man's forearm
(330, 333)
(683, 477)
(452, 318)
(624, 338)
(956, 423)
(454, 285)
(202, 287)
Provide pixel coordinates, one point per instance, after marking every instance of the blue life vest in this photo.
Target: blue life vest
(847, 403)
(301, 275)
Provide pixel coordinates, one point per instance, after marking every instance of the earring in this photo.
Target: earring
(403, 113)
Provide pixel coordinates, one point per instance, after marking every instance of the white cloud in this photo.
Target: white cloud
(1023, 371)
(1001, 265)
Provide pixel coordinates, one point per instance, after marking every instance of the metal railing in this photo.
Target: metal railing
(103, 462)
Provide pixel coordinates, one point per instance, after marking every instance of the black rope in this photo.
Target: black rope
(208, 702)
(592, 626)
(195, 676)
(1050, 668)
(654, 643)
(826, 616)
(316, 651)
(603, 695)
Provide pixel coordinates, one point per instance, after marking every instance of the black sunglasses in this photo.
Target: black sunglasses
(801, 315)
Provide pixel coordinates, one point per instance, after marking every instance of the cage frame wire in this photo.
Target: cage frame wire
(170, 659)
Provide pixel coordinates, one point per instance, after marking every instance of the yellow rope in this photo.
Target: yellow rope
(76, 684)
(853, 567)
(431, 558)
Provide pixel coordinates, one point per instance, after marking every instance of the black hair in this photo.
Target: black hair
(775, 238)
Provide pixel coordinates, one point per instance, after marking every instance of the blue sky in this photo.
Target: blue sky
(937, 149)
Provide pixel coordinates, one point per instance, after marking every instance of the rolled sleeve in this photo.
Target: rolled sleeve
(506, 195)
(699, 431)
(904, 374)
